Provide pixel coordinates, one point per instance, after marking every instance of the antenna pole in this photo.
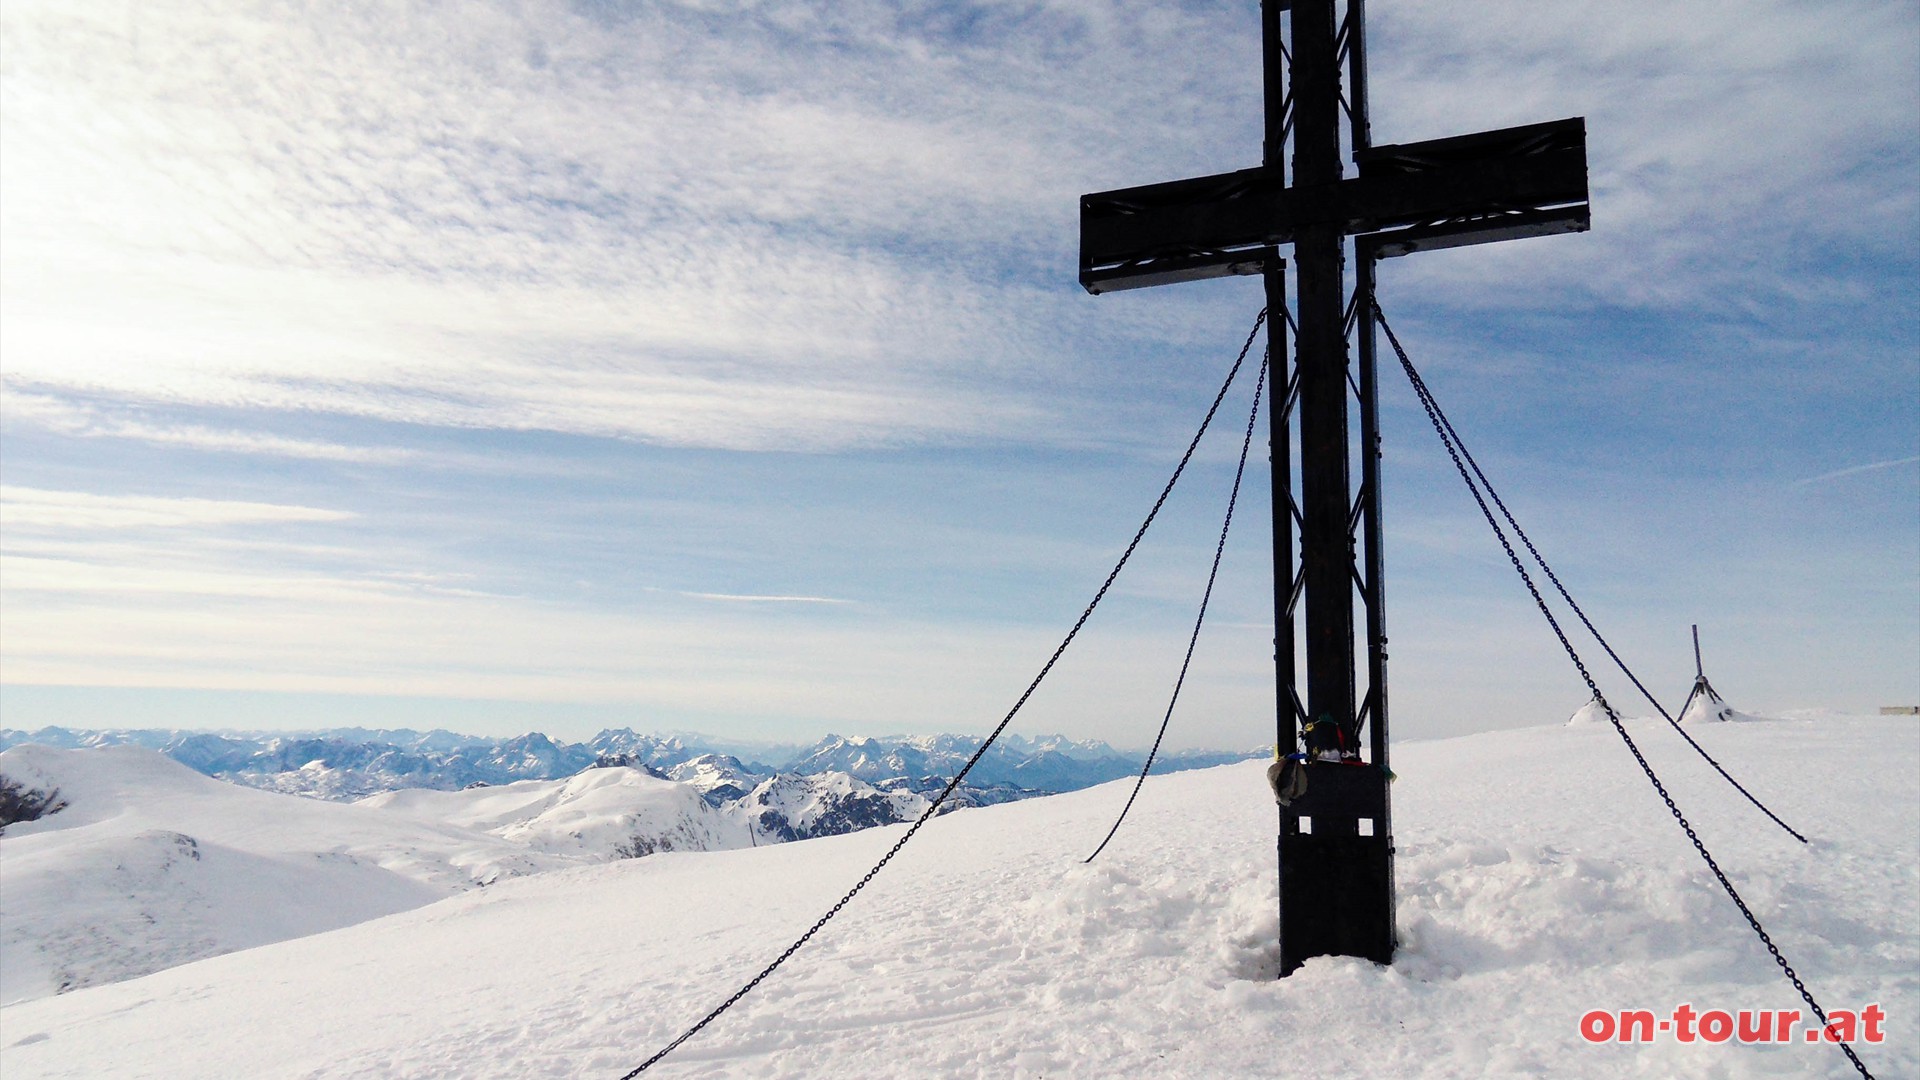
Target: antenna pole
(1699, 672)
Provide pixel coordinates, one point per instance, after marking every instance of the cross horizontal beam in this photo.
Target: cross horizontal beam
(1470, 189)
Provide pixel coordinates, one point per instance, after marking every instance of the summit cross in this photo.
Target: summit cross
(1335, 838)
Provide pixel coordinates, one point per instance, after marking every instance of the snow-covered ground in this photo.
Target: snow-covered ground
(1539, 878)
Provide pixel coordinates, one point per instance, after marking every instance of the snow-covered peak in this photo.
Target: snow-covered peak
(791, 806)
(1045, 765)
(598, 813)
(114, 781)
(718, 777)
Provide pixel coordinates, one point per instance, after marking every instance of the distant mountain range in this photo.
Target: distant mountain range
(833, 786)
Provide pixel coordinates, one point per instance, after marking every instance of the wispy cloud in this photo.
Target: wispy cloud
(75, 511)
(1872, 466)
(799, 224)
(66, 416)
(1733, 146)
(735, 598)
(136, 617)
(654, 223)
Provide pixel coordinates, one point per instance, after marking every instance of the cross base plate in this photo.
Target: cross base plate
(1336, 867)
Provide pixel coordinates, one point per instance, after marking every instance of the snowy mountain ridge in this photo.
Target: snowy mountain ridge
(347, 764)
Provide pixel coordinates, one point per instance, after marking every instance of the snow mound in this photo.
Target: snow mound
(1705, 710)
(1590, 713)
(1539, 877)
(1700, 710)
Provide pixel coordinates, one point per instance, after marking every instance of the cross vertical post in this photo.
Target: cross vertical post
(1273, 56)
(1319, 258)
(1280, 455)
(1335, 840)
(1336, 873)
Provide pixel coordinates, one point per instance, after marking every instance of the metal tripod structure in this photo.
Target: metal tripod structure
(1335, 840)
(1701, 687)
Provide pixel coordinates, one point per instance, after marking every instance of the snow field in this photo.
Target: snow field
(1539, 878)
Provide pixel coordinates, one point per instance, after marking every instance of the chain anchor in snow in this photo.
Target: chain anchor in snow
(1456, 450)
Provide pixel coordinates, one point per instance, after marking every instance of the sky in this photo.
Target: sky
(720, 366)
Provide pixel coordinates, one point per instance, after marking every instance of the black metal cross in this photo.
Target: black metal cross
(1335, 845)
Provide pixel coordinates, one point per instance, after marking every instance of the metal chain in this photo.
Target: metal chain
(934, 806)
(1206, 597)
(1448, 439)
(1581, 612)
